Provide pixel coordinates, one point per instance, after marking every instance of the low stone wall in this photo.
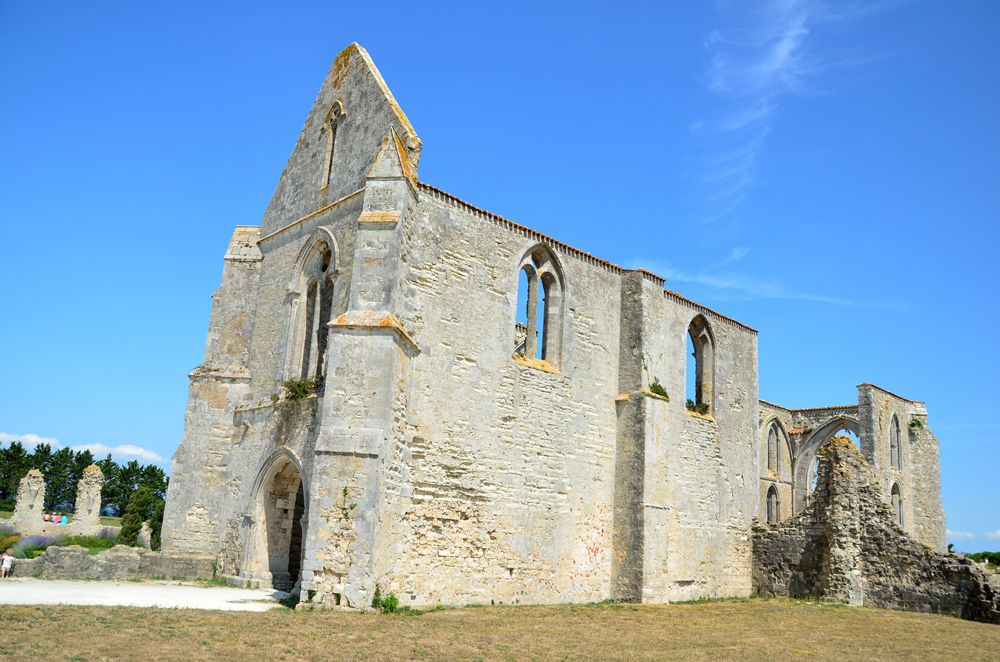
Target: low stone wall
(847, 547)
(118, 563)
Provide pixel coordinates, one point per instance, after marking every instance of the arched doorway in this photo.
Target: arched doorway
(277, 542)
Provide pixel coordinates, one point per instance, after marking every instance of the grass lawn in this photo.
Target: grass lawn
(106, 521)
(778, 630)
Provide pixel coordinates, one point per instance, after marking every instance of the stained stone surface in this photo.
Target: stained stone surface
(88, 499)
(30, 502)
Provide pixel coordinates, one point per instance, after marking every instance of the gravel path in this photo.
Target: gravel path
(135, 594)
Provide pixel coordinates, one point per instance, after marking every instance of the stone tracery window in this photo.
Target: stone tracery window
(539, 319)
(895, 452)
(773, 514)
(311, 307)
(701, 364)
(329, 131)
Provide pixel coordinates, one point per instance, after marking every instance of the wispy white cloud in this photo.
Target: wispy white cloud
(744, 284)
(962, 535)
(28, 439)
(763, 52)
(124, 450)
(994, 535)
(127, 451)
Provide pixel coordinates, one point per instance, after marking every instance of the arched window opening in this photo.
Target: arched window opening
(701, 366)
(329, 132)
(897, 504)
(311, 308)
(773, 515)
(539, 317)
(895, 453)
(772, 449)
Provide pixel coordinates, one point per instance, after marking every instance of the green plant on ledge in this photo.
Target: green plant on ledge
(916, 424)
(297, 389)
(654, 384)
(698, 408)
(656, 387)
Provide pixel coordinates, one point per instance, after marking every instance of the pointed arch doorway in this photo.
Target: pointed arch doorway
(277, 540)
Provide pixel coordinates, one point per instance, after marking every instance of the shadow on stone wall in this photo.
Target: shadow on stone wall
(846, 547)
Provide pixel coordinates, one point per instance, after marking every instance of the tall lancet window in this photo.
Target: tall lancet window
(539, 319)
(311, 307)
(329, 130)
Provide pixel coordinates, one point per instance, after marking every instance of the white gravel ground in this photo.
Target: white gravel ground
(16, 591)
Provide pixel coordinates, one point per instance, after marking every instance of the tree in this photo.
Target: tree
(140, 508)
(15, 461)
(156, 525)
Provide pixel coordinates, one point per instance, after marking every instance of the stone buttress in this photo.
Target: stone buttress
(365, 399)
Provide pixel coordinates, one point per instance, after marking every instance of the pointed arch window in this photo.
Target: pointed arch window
(311, 310)
(701, 366)
(772, 449)
(895, 452)
(539, 319)
(773, 514)
(896, 499)
(329, 135)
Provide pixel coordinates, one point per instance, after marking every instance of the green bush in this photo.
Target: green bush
(697, 408)
(156, 525)
(993, 558)
(388, 604)
(657, 388)
(90, 542)
(296, 389)
(140, 507)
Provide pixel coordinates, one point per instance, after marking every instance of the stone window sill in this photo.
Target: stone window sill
(536, 364)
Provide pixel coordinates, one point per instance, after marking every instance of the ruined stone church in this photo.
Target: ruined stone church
(404, 392)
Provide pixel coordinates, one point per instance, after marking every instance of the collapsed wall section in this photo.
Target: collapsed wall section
(847, 547)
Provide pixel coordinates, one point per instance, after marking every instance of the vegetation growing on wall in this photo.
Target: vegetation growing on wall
(297, 389)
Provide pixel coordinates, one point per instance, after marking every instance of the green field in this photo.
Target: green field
(106, 521)
(777, 630)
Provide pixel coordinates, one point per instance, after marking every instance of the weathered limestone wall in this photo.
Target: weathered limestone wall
(217, 386)
(502, 485)
(370, 110)
(118, 563)
(782, 479)
(87, 515)
(846, 547)
(920, 479)
(701, 487)
(30, 504)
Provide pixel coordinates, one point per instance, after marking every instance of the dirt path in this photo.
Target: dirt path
(135, 594)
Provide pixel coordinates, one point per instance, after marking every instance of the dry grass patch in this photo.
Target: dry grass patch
(777, 629)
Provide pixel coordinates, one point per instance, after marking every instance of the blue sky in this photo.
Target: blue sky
(823, 172)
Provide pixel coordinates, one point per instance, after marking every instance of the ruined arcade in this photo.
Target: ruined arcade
(473, 411)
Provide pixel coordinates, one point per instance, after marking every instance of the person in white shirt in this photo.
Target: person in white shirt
(7, 565)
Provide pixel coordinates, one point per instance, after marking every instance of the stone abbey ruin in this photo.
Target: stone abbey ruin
(372, 415)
